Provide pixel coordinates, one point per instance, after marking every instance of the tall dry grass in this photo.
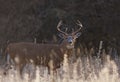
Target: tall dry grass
(87, 68)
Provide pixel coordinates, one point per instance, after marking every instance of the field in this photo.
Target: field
(86, 68)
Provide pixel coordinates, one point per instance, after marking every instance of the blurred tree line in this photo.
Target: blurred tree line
(24, 20)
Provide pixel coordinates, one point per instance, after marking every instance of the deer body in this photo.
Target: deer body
(40, 54)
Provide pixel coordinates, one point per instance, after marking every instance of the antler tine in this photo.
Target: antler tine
(58, 27)
(79, 24)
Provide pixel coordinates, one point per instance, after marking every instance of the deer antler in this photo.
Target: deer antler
(58, 28)
(79, 24)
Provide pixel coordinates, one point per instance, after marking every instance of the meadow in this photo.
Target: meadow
(86, 68)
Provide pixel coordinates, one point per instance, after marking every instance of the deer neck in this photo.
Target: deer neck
(65, 50)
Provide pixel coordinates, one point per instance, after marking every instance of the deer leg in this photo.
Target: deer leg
(8, 64)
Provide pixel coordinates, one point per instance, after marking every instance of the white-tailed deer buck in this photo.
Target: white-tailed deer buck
(40, 54)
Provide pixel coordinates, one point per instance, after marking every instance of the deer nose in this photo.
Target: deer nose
(70, 41)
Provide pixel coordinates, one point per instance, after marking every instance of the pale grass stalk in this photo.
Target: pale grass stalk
(65, 69)
(104, 75)
(114, 70)
(46, 75)
(26, 77)
(52, 78)
(35, 40)
(75, 72)
(87, 68)
(37, 78)
(81, 69)
(100, 48)
(115, 75)
(1, 78)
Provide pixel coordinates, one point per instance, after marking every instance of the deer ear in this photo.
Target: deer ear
(78, 34)
(61, 35)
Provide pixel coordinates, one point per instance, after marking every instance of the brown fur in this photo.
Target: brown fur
(40, 54)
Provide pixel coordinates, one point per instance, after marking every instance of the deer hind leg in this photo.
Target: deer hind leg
(8, 64)
(9, 61)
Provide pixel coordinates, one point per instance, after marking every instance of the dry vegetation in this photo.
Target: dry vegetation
(87, 68)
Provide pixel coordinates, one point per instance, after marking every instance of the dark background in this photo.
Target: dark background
(24, 20)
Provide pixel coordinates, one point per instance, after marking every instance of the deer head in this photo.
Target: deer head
(69, 39)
